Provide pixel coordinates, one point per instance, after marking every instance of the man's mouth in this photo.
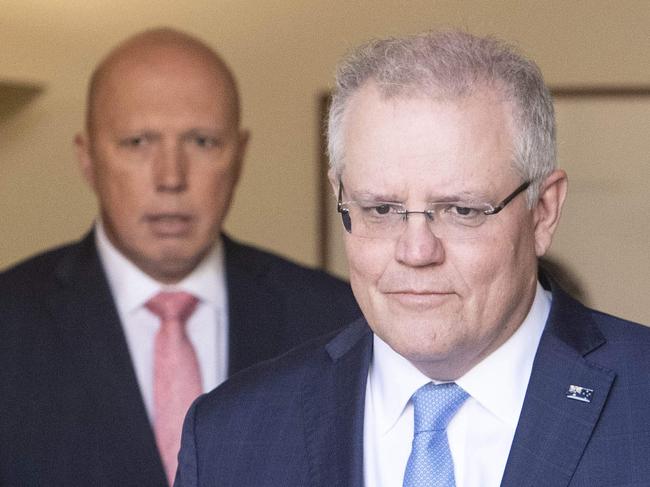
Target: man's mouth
(169, 224)
(420, 298)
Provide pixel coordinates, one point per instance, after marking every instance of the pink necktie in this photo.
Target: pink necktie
(177, 379)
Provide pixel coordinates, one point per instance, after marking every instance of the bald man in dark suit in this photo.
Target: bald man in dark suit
(162, 150)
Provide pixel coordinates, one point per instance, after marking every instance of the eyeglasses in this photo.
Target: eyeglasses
(447, 220)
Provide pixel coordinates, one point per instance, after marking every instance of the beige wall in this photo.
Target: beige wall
(284, 54)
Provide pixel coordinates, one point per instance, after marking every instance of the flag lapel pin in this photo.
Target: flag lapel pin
(579, 393)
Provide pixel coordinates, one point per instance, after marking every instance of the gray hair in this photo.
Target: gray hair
(451, 65)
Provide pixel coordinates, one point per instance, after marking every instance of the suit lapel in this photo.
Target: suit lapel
(553, 430)
(85, 312)
(249, 297)
(334, 402)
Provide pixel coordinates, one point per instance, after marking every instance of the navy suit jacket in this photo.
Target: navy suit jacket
(297, 421)
(71, 413)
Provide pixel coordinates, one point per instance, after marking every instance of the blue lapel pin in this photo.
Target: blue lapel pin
(579, 393)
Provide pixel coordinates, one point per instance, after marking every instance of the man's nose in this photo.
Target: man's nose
(170, 169)
(417, 246)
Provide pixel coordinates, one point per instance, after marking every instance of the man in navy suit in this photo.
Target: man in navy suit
(162, 150)
(469, 367)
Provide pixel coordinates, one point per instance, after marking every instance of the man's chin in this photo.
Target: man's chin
(171, 267)
(435, 360)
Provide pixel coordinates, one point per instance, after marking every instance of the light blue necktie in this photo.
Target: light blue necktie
(430, 463)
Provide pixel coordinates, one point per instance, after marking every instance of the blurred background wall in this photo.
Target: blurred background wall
(283, 53)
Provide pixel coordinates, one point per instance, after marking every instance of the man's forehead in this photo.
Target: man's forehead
(429, 191)
(415, 137)
(156, 102)
(440, 175)
(176, 62)
(433, 180)
(370, 109)
(142, 67)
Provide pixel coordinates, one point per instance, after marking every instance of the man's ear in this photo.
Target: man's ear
(334, 181)
(548, 209)
(84, 158)
(242, 145)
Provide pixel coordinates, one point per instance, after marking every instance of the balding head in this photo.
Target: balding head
(152, 50)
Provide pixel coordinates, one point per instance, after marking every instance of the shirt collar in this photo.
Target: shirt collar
(393, 380)
(132, 288)
(498, 382)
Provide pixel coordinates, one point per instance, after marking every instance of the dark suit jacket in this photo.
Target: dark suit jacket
(298, 420)
(71, 413)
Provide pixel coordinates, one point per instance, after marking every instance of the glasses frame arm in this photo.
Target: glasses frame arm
(507, 199)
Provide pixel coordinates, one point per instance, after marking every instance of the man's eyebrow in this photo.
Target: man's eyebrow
(143, 131)
(135, 132)
(464, 195)
(213, 131)
(365, 195)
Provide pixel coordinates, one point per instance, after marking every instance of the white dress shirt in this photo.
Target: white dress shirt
(481, 432)
(207, 328)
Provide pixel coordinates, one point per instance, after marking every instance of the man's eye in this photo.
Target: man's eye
(382, 209)
(463, 211)
(375, 210)
(205, 141)
(133, 141)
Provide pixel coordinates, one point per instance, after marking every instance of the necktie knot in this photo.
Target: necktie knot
(172, 306)
(435, 404)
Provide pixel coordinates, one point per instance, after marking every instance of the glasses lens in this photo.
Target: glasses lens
(379, 221)
(446, 220)
(454, 221)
